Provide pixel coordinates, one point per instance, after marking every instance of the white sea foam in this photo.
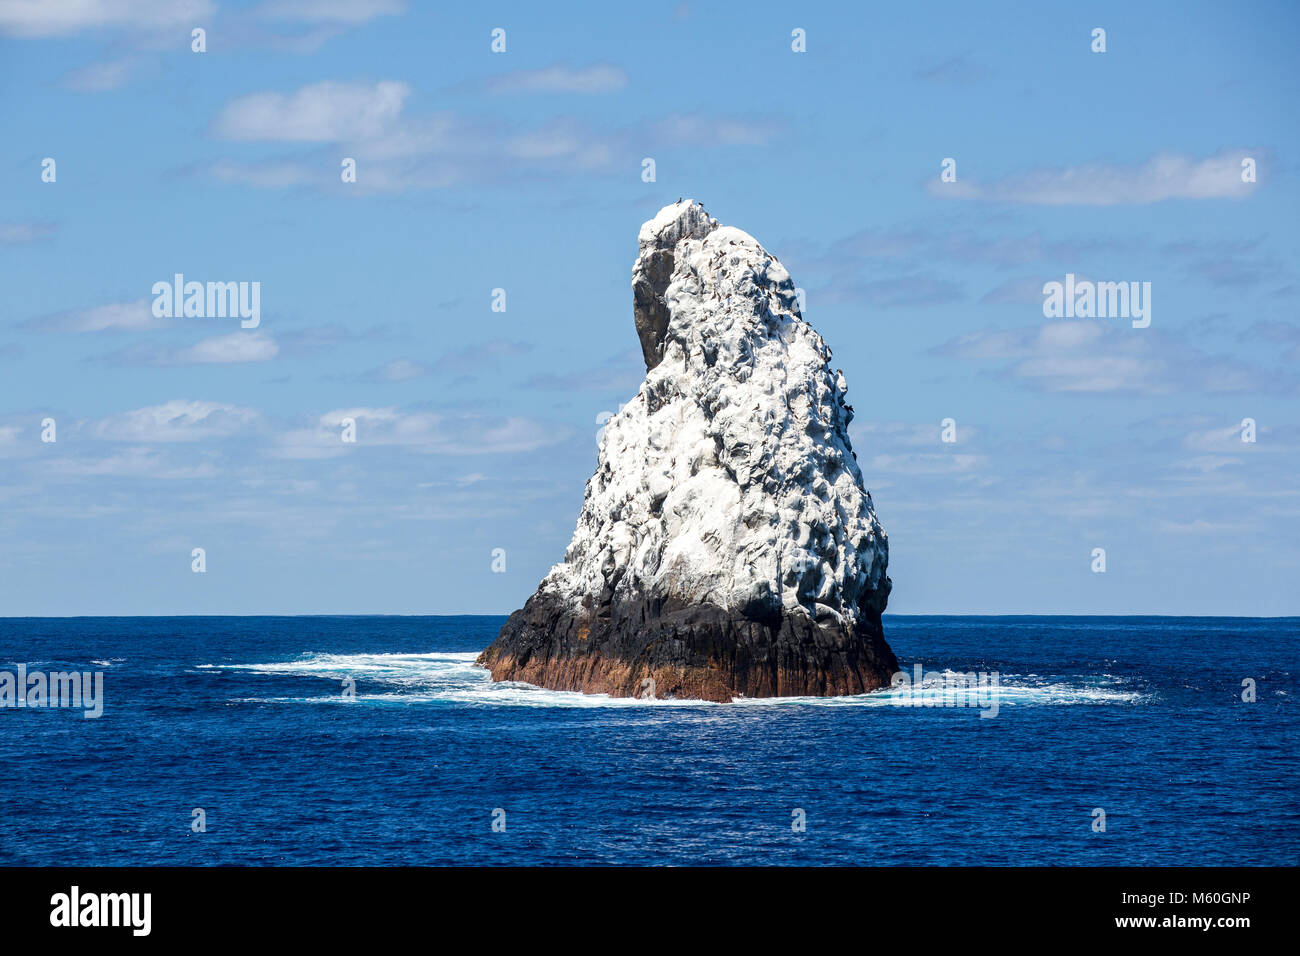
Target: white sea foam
(454, 678)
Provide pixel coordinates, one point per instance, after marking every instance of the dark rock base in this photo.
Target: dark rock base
(700, 652)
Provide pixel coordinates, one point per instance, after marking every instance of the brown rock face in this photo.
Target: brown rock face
(702, 652)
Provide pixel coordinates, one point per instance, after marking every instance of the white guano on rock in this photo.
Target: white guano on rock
(729, 479)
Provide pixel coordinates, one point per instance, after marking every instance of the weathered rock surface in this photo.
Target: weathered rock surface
(726, 545)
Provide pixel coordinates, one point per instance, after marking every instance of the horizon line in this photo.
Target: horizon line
(69, 617)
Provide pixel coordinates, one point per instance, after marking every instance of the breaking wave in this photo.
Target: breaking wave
(454, 678)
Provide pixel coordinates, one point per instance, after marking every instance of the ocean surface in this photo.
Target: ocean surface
(247, 719)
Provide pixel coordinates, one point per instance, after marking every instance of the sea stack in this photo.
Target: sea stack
(726, 545)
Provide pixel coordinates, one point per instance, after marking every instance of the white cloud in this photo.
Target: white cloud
(1073, 356)
(1207, 464)
(100, 77)
(1202, 528)
(1077, 355)
(325, 112)
(699, 130)
(20, 233)
(886, 449)
(114, 317)
(894, 292)
(619, 374)
(49, 18)
(273, 175)
(398, 370)
(599, 78)
(130, 463)
(12, 445)
(1165, 176)
(223, 349)
(179, 420)
(231, 348)
(1027, 290)
(1223, 441)
(897, 436)
(419, 431)
(923, 464)
(330, 11)
(395, 152)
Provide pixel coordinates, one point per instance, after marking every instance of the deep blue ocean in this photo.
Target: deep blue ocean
(247, 719)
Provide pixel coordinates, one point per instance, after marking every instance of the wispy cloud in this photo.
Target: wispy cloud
(9, 433)
(21, 233)
(398, 370)
(43, 18)
(179, 420)
(147, 29)
(700, 129)
(1095, 357)
(598, 78)
(320, 113)
(483, 355)
(1228, 263)
(132, 316)
(230, 349)
(395, 151)
(226, 349)
(1281, 333)
(301, 26)
(621, 373)
(894, 265)
(900, 292)
(426, 432)
(1025, 290)
(305, 341)
(330, 11)
(1163, 177)
(464, 363)
(102, 76)
(130, 463)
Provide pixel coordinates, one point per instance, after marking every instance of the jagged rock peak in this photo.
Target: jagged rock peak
(726, 543)
(656, 244)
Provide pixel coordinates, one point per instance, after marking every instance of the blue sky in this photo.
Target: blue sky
(522, 171)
